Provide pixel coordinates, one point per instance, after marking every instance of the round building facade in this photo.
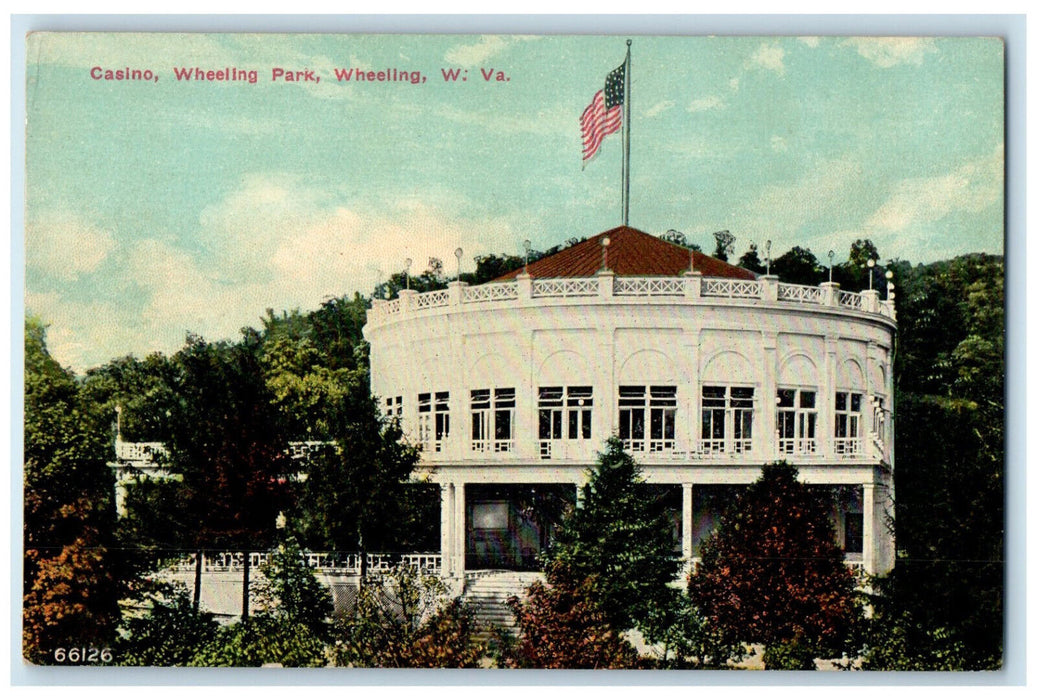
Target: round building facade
(705, 371)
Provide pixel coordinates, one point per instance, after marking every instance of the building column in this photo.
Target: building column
(459, 531)
(826, 398)
(686, 527)
(446, 530)
(605, 419)
(692, 396)
(869, 535)
(767, 442)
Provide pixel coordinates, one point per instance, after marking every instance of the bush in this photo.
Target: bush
(405, 619)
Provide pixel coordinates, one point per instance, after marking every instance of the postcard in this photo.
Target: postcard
(508, 351)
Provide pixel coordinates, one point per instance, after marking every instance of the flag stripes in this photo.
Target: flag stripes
(604, 115)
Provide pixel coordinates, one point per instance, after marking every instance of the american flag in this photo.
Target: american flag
(604, 115)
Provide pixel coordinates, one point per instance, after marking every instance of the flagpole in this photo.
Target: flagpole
(626, 139)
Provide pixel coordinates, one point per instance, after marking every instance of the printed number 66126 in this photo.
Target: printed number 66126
(82, 655)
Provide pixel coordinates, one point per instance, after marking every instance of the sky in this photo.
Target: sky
(158, 208)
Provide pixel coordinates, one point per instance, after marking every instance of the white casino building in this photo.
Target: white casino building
(706, 371)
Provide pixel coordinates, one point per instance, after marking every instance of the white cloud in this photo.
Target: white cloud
(706, 103)
(768, 57)
(659, 108)
(733, 83)
(779, 144)
(918, 201)
(886, 52)
(786, 207)
(62, 245)
(471, 55)
(811, 41)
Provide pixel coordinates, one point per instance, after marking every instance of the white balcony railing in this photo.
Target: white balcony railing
(500, 291)
(797, 446)
(684, 289)
(649, 287)
(327, 562)
(493, 446)
(725, 446)
(566, 287)
(800, 293)
(139, 451)
(847, 446)
(731, 289)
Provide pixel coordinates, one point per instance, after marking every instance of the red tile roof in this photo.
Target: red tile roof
(631, 253)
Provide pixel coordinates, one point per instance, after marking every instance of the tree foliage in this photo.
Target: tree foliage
(72, 576)
(562, 626)
(942, 606)
(750, 260)
(290, 590)
(621, 543)
(798, 266)
(405, 619)
(170, 633)
(725, 241)
(773, 574)
(228, 444)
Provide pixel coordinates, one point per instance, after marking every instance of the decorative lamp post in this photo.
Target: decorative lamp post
(118, 422)
(871, 274)
(406, 272)
(831, 259)
(457, 254)
(605, 252)
(767, 252)
(890, 294)
(525, 266)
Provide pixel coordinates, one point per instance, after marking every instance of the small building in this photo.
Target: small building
(704, 370)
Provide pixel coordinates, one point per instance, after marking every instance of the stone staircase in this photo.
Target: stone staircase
(487, 591)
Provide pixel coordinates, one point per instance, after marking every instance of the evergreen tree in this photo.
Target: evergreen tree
(773, 574)
(290, 589)
(622, 543)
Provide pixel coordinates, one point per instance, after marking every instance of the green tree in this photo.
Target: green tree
(291, 590)
(725, 245)
(622, 543)
(227, 443)
(798, 266)
(773, 574)
(170, 633)
(358, 495)
(264, 639)
(942, 606)
(750, 260)
(72, 574)
(678, 238)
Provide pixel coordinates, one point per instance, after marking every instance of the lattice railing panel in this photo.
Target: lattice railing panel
(800, 293)
(490, 292)
(648, 286)
(732, 289)
(564, 287)
(430, 300)
(852, 300)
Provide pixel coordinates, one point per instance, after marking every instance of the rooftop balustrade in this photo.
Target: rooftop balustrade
(690, 288)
